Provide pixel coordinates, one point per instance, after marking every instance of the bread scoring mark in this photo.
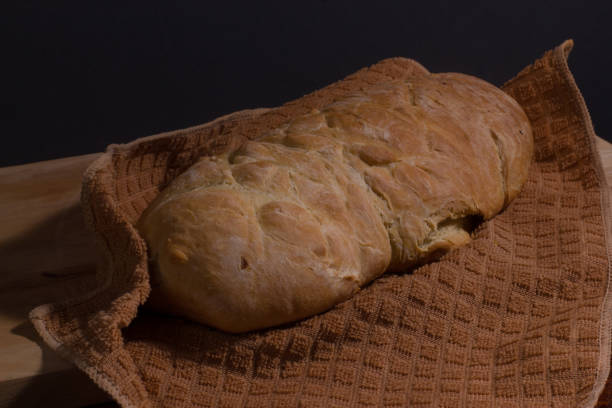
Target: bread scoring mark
(361, 177)
(413, 97)
(499, 146)
(390, 225)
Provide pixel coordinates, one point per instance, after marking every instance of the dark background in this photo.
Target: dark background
(86, 74)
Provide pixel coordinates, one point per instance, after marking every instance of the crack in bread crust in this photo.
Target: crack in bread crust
(502, 163)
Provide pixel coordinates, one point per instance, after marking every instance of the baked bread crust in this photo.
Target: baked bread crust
(299, 219)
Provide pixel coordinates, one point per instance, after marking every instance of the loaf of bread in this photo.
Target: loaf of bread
(300, 218)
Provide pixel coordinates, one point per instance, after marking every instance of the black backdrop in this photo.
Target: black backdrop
(86, 74)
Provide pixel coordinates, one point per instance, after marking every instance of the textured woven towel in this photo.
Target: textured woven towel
(518, 318)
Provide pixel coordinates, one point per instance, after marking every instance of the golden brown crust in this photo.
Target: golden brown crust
(298, 220)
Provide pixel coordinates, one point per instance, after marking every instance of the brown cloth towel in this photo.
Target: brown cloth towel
(520, 317)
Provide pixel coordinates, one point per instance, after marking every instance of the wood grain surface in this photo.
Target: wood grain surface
(46, 252)
(47, 255)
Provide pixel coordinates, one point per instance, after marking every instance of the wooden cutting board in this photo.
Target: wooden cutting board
(46, 251)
